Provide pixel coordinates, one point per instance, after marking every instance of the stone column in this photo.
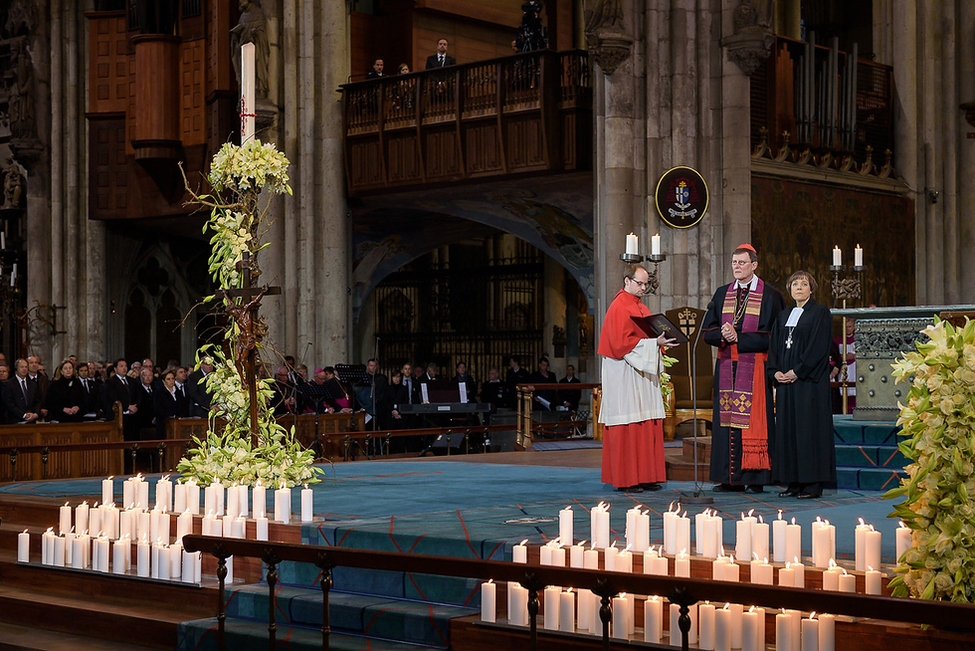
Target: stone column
(966, 153)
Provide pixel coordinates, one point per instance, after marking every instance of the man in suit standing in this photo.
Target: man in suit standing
(180, 376)
(90, 390)
(22, 397)
(197, 392)
(119, 388)
(441, 59)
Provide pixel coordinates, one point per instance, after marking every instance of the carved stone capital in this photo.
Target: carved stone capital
(749, 48)
(609, 48)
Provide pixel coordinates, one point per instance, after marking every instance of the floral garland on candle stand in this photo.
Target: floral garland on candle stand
(229, 454)
(939, 429)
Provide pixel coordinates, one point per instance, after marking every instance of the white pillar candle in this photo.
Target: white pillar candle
(519, 553)
(565, 525)
(179, 498)
(154, 560)
(751, 624)
(732, 572)
(760, 533)
(655, 244)
(78, 552)
(799, 580)
(641, 541)
(60, 555)
(210, 499)
(238, 528)
(164, 494)
(176, 562)
(783, 632)
(227, 526)
(871, 548)
(675, 634)
(873, 584)
(261, 528)
(624, 562)
(64, 519)
(142, 517)
(164, 526)
(23, 547)
(743, 538)
(545, 554)
(706, 617)
(162, 563)
(715, 546)
(632, 244)
(683, 533)
(260, 500)
(630, 533)
(184, 525)
(717, 568)
(837, 261)
(787, 576)
(518, 615)
(576, 555)
(584, 601)
(208, 524)
(831, 577)
(47, 547)
(558, 556)
(761, 572)
(189, 567)
(682, 565)
(282, 504)
(722, 629)
(793, 540)
(230, 570)
(778, 539)
(307, 504)
(248, 67)
(125, 524)
(653, 620)
(94, 521)
(903, 541)
(824, 537)
(736, 613)
(119, 547)
(142, 494)
(128, 494)
(567, 611)
(670, 531)
(858, 550)
(243, 501)
(847, 582)
(810, 635)
(142, 558)
(699, 521)
(827, 633)
(609, 558)
(858, 256)
(795, 620)
(600, 536)
(489, 604)
(233, 510)
(193, 496)
(621, 628)
(108, 490)
(110, 515)
(68, 548)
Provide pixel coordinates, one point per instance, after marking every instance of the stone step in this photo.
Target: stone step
(858, 433)
(869, 456)
(872, 479)
(241, 635)
(703, 445)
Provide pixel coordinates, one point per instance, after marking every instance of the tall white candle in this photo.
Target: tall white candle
(831, 577)
(23, 547)
(164, 494)
(179, 497)
(242, 501)
(64, 519)
(60, 545)
(108, 490)
(722, 629)
(858, 256)
(682, 565)
(706, 622)
(609, 558)
(576, 555)
(565, 525)
(567, 611)
(233, 510)
(261, 528)
(760, 533)
(787, 576)
(675, 633)
(260, 500)
(599, 525)
(193, 496)
(800, 574)
(683, 539)
(621, 628)
(119, 549)
(872, 581)
(282, 504)
(653, 620)
(162, 563)
(871, 548)
(827, 633)
(142, 493)
(859, 541)
(778, 539)
(68, 549)
(793, 540)
(190, 560)
(655, 244)
(78, 552)
(128, 493)
(184, 525)
(847, 582)
(142, 558)
(699, 521)
(307, 504)
(743, 538)
(247, 85)
(837, 256)
(518, 614)
(903, 541)
(670, 531)
(489, 604)
(810, 634)
(736, 613)
(783, 632)
(752, 629)
(760, 572)
(176, 562)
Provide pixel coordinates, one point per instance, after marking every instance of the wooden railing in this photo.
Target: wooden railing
(524, 113)
(527, 425)
(682, 591)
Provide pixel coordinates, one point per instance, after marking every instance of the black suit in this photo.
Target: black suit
(165, 406)
(182, 401)
(570, 397)
(16, 403)
(117, 391)
(144, 400)
(433, 61)
(197, 394)
(90, 389)
(62, 394)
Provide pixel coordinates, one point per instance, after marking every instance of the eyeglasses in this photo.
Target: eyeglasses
(740, 263)
(641, 283)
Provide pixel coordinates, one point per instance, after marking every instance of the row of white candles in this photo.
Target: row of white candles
(751, 540)
(633, 244)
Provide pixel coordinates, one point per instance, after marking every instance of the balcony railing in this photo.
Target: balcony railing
(529, 112)
(823, 102)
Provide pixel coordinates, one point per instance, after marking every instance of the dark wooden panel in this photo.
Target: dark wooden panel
(61, 465)
(107, 173)
(403, 158)
(523, 141)
(157, 84)
(364, 163)
(440, 153)
(481, 147)
(107, 37)
(498, 12)
(192, 56)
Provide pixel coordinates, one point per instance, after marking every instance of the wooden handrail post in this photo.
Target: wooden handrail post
(684, 600)
(272, 560)
(221, 598)
(45, 454)
(326, 567)
(605, 616)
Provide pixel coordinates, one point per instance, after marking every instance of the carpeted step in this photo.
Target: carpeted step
(861, 432)
(241, 635)
(872, 479)
(398, 619)
(869, 456)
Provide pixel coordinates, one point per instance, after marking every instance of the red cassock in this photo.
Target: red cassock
(632, 408)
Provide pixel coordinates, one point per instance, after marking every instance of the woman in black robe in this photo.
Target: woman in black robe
(798, 364)
(66, 398)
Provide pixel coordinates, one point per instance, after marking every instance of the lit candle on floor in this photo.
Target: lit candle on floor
(565, 525)
(904, 540)
(307, 504)
(489, 604)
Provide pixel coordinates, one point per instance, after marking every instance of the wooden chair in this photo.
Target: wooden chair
(680, 405)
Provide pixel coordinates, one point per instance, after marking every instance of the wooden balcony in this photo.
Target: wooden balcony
(527, 113)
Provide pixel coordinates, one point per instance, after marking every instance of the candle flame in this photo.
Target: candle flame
(568, 508)
(765, 560)
(761, 520)
(490, 580)
(832, 563)
(628, 548)
(306, 486)
(869, 568)
(902, 525)
(742, 515)
(110, 477)
(871, 527)
(796, 560)
(825, 523)
(523, 542)
(812, 615)
(258, 484)
(622, 595)
(780, 514)
(568, 591)
(793, 521)
(727, 606)
(684, 515)
(788, 565)
(783, 610)
(654, 598)
(844, 570)
(164, 478)
(731, 559)
(683, 552)
(50, 530)
(582, 544)
(282, 485)
(613, 546)
(25, 530)
(862, 523)
(755, 554)
(750, 512)
(752, 609)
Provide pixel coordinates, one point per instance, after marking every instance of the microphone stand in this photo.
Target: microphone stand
(698, 496)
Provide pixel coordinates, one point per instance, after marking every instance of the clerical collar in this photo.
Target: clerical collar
(794, 317)
(752, 284)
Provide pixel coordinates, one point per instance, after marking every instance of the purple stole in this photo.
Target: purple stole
(735, 389)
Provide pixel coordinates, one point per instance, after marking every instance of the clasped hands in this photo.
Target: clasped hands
(728, 333)
(786, 378)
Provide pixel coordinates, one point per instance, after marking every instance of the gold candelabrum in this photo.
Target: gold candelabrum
(653, 282)
(846, 286)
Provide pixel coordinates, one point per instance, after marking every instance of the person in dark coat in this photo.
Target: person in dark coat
(66, 397)
(738, 323)
(570, 399)
(21, 396)
(804, 455)
(165, 402)
(197, 393)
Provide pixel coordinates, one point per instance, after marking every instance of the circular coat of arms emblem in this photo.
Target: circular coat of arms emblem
(681, 197)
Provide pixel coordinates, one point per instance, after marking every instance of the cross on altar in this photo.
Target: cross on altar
(245, 312)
